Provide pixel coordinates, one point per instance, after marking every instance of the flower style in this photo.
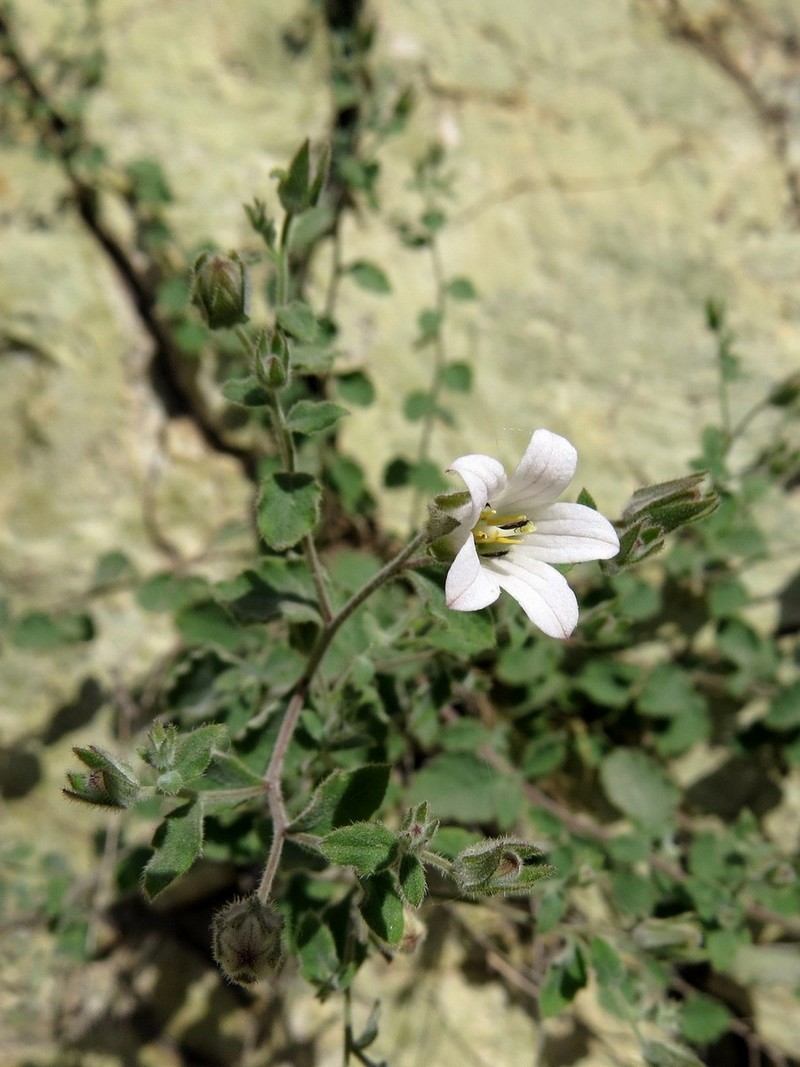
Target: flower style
(511, 530)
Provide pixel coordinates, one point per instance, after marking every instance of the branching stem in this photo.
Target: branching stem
(274, 773)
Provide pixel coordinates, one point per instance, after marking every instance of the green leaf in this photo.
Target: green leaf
(457, 377)
(112, 567)
(344, 797)
(314, 416)
(631, 893)
(703, 1019)
(607, 682)
(543, 755)
(191, 336)
(461, 289)
(248, 392)
(427, 476)
(288, 508)
(178, 842)
(167, 592)
(784, 709)
(669, 692)
(316, 949)
(658, 1053)
(636, 785)
(429, 322)
(382, 908)
(39, 632)
(727, 597)
(411, 879)
(369, 276)
(193, 750)
(365, 846)
(297, 319)
(173, 295)
(462, 787)
(294, 190)
(417, 405)
(561, 983)
(607, 965)
(355, 388)
(209, 623)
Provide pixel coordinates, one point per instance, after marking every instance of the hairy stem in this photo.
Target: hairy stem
(274, 773)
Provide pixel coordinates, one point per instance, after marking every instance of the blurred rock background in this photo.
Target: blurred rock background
(616, 165)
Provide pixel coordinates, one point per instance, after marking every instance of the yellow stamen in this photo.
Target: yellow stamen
(493, 529)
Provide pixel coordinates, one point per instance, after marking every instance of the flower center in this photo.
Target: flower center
(492, 532)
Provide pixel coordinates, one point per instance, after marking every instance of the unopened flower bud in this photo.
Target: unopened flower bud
(109, 783)
(247, 940)
(220, 289)
(418, 828)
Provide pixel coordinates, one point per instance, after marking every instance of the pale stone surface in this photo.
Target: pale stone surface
(609, 180)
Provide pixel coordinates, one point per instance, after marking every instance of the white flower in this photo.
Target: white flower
(511, 531)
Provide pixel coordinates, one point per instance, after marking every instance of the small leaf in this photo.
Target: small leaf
(209, 623)
(112, 567)
(562, 982)
(355, 388)
(703, 1019)
(382, 908)
(461, 289)
(314, 416)
(456, 377)
(369, 276)
(417, 405)
(657, 1053)
(316, 949)
(784, 710)
(344, 797)
(39, 632)
(365, 846)
(288, 508)
(178, 842)
(293, 188)
(637, 786)
(411, 879)
(297, 319)
(247, 392)
(193, 751)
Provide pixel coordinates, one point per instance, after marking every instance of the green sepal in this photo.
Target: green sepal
(110, 783)
(500, 867)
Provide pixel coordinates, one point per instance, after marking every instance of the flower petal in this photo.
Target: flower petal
(541, 592)
(469, 586)
(485, 479)
(569, 533)
(543, 473)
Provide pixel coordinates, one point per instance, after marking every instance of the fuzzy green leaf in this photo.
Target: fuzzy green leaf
(366, 846)
(369, 276)
(344, 797)
(382, 908)
(637, 786)
(178, 842)
(288, 508)
(314, 416)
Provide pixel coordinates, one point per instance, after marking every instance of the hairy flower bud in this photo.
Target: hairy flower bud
(220, 289)
(247, 943)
